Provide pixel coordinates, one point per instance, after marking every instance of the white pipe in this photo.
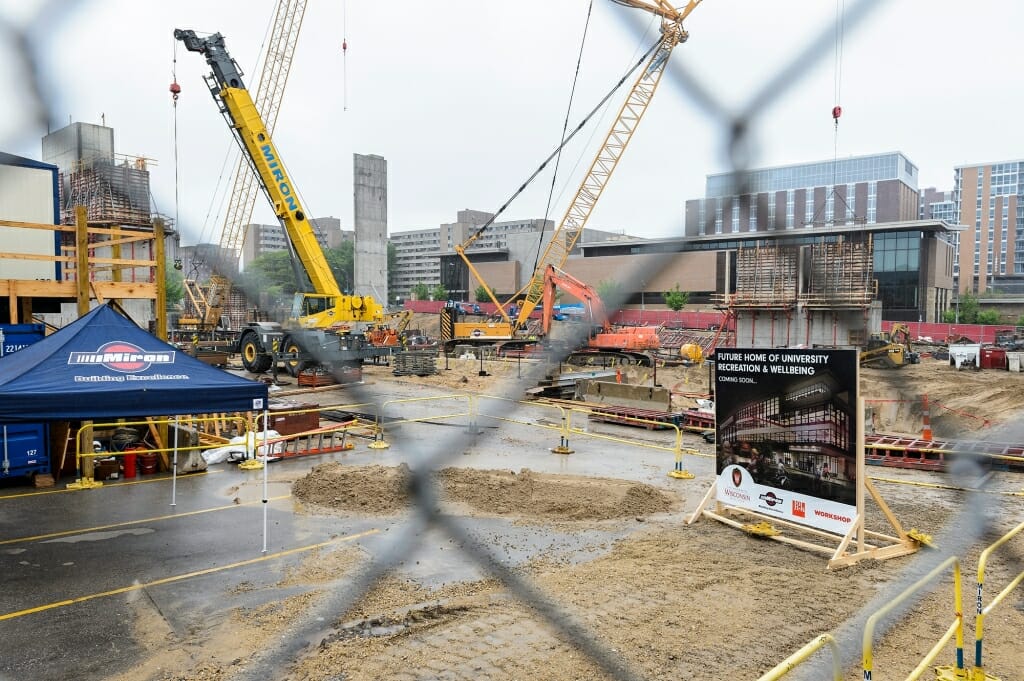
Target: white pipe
(174, 471)
(266, 470)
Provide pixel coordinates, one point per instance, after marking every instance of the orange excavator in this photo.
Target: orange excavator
(604, 345)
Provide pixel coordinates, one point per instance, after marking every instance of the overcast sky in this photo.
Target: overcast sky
(464, 98)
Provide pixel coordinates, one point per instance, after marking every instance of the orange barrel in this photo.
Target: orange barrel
(147, 463)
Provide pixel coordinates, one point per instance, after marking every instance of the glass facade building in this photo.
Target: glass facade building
(860, 190)
(890, 166)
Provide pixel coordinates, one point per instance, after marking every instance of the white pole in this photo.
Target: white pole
(174, 467)
(266, 471)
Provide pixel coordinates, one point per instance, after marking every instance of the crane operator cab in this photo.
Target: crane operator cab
(308, 308)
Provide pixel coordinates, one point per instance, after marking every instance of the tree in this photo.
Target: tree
(1020, 321)
(343, 265)
(174, 285)
(420, 291)
(987, 317)
(675, 299)
(272, 273)
(480, 295)
(968, 308)
(439, 292)
(610, 293)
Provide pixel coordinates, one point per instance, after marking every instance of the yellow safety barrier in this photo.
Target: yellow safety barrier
(317, 441)
(88, 482)
(562, 427)
(677, 448)
(956, 628)
(978, 671)
(380, 443)
(801, 656)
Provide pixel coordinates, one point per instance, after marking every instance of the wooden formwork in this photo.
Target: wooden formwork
(82, 246)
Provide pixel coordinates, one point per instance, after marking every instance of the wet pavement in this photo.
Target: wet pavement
(88, 573)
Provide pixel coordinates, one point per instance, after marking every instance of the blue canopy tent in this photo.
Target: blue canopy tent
(104, 366)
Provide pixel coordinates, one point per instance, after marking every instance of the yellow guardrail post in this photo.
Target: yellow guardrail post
(956, 628)
(800, 656)
(678, 471)
(978, 671)
(563, 438)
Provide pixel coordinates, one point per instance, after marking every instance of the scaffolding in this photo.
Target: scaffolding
(767, 277)
(840, 274)
(113, 191)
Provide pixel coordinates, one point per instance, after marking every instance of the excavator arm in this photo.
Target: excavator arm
(556, 279)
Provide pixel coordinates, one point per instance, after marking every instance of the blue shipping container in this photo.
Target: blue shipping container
(14, 337)
(23, 449)
(23, 446)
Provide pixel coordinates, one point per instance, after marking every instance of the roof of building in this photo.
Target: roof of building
(675, 244)
(12, 160)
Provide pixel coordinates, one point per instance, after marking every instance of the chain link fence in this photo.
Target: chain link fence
(24, 49)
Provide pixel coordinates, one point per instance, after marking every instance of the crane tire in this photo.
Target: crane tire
(254, 358)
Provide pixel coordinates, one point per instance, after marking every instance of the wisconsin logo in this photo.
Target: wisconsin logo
(122, 356)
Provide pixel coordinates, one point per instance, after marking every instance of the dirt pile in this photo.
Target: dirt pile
(383, 490)
(552, 497)
(379, 490)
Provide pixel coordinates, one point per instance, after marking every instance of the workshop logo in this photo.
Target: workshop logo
(122, 356)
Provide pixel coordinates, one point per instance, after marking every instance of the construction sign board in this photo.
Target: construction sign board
(787, 434)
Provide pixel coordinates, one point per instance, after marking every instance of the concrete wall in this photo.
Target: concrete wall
(806, 327)
(370, 190)
(26, 195)
(652, 273)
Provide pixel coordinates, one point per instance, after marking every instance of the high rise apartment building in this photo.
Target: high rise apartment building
(988, 203)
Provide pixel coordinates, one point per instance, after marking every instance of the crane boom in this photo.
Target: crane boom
(277, 63)
(568, 232)
(238, 108)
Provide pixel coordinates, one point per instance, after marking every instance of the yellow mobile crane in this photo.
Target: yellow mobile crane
(564, 238)
(319, 327)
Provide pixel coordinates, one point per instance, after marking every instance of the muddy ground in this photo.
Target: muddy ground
(667, 600)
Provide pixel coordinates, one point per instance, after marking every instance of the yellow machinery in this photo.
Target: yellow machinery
(318, 329)
(384, 334)
(564, 238)
(889, 350)
(206, 304)
(692, 353)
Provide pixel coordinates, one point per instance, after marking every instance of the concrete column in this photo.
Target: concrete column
(370, 193)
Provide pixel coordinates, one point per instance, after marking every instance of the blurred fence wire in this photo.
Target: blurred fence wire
(26, 51)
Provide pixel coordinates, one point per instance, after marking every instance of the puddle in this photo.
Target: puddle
(99, 536)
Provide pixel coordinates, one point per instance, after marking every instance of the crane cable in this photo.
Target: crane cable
(565, 129)
(175, 90)
(837, 76)
(344, 55)
(579, 126)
